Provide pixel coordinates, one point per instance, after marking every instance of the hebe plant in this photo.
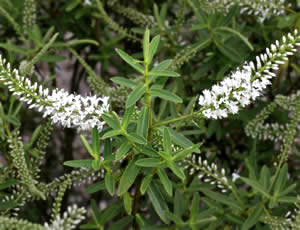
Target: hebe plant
(168, 147)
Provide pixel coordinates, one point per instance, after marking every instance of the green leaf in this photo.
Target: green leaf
(147, 150)
(143, 122)
(127, 202)
(110, 183)
(127, 116)
(111, 133)
(145, 183)
(137, 138)
(264, 178)
(221, 198)
(163, 73)
(184, 153)
(95, 187)
(253, 218)
(164, 94)
(153, 48)
(180, 203)
(124, 82)
(164, 65)
(123, 150)
(146, 44)
(167, 141)
(88, 148)
(176, 170)
(107, 153)
(195, 208)
(164, 179)
(121, 223)
(176, 219)
(281, 180)
(128, 176)
(165, 155)
(111, 121)
(149, 162)
(131, 61)
(14, 48)
(79, 163)
(135, 95)
(181, 140)
(110, 212)
(256, 186)
(8, 183)
(96, 142)
(288, 189)
(158, 203)
(238, 34)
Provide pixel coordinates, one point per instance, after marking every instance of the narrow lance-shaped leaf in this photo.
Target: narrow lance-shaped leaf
(131, 61)
(164, 94)
(164, 179)
(167, 141)
(137, 138)
(145, 183)
(128, 202)
(176, 170)
(123, 150)
(164, 65)
(153, 47)
(143, 122)
(128, 176)
(127, 116)
(135, 95)
(109, 183)
(96, 141)
(88, 148)
(163, 73)
(111, 121)
(149, 162)
(253, 217)
(111, 133)
(158, 203)
(124, 82)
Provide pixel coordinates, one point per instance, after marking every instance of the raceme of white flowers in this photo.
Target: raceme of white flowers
(262, 9)
(67, 109)
(71, 218)
(246, 84)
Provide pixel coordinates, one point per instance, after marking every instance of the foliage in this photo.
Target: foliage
(194, 121)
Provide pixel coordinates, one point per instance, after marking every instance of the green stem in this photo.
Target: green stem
(174, 120)
(148, 100)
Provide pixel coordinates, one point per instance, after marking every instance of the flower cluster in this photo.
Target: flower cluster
(71, 218)
(209, 172)
(262, 9)
(246, 84)
(67, 109)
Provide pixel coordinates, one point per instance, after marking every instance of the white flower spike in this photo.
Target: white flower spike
(67, 109)
(246, 84)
